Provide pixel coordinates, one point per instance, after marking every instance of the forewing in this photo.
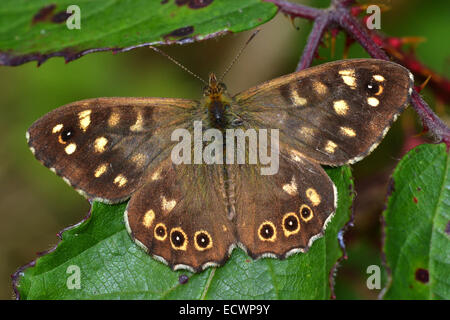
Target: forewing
(334, 113)
(181, 217)
(104, 147)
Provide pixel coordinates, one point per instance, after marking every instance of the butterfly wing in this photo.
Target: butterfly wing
(181, 217)
(334, 113)
(104, 147)
(280, 214)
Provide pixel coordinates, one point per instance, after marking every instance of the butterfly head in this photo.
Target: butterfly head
(216, 101)
(214, 89)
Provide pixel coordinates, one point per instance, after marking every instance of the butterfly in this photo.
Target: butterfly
(191, 216)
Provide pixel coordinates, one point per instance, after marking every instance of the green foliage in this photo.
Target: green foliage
(28, 30)
(417, 226)
(113, 267)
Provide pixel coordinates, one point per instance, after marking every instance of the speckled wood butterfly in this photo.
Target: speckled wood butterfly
(191, 216)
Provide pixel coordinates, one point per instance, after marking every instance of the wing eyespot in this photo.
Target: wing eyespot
(203, 240)
(290, 224)
(178, 239)
(267, 231)
(66, 135)
(306, 213)
(374, 88)
(160, 232)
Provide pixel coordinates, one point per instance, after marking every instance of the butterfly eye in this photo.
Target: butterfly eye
(267, 231)
(66, 135)
(306, 213)
(203, 240)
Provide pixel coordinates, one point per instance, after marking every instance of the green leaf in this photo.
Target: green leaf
(417, 226)
(112, 266)
(37, 30)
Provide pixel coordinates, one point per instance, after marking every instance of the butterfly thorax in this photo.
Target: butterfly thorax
(217, 101)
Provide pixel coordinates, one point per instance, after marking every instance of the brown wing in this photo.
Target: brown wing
(180, 216)
(104, 147)
(335, 113)
(281, 214)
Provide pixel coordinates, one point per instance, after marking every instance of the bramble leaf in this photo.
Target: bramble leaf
(37, 30)
(417, 226)
(111, 266)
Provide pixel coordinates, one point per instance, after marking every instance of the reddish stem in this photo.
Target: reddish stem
(320, 24)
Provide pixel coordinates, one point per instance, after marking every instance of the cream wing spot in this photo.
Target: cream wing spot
(139, 159)
(85, 119)
(100, 144)
(167, 206)
(138, 125)
(291, 188)
(348, 76)
(349, 132)
(101, 169)
(319, 87)
(313, 196)
(71, 148)
(306, 132)
(330, 146)
(156, 175)
(120, 180)
(341, 107)
(114, 119)
(57, 128)
(378, 77)
(372, 101)
(148, 218)
(297, 100)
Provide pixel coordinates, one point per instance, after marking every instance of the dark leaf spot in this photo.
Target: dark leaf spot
(447, 228)
(60, 17)
(180, 32)
(44, 13)
(181, 2)
(194, 4)
(183, 279)
(164, 1)
(422, 275)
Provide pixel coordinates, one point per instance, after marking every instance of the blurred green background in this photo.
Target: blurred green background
(36, 204)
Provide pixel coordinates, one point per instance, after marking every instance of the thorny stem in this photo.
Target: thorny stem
(320, 24)
(339, 14)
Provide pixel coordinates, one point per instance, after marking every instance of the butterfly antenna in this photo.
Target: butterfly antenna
(239, 53)
(177, 63)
